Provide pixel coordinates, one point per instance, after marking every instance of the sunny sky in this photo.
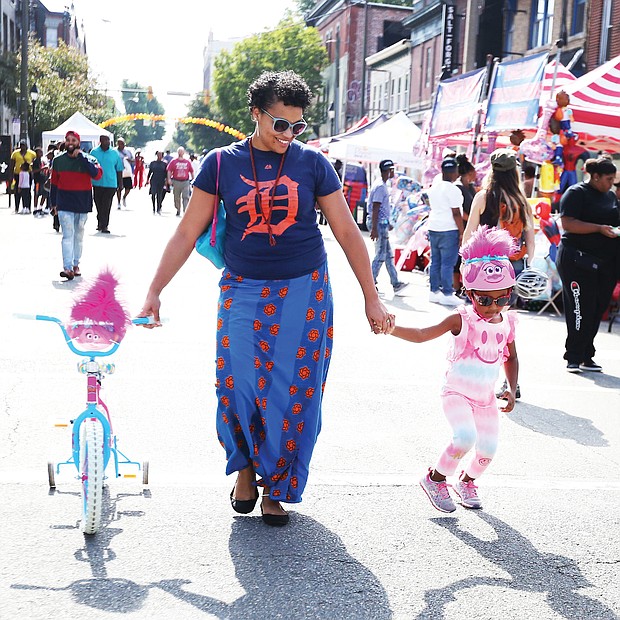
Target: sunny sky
(160, 43)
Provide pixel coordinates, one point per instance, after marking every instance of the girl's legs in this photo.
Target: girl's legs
(459, 413)
(486, 420)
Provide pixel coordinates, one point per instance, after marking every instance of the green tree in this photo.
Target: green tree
(305, 6)
(65, 86)
(290, 46)
(197, 137)
(138, 100)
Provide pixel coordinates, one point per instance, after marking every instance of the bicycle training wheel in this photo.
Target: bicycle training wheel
(51, 475)
(91, 474)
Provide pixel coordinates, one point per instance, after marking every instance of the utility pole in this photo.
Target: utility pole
(337, 106)
(23, 84)
(363, 105)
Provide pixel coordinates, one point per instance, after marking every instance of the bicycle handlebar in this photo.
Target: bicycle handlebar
(146, 320)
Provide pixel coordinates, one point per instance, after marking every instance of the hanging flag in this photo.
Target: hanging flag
(514, 93)
(456, 104)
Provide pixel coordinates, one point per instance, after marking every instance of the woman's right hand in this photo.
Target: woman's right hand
(151, 307)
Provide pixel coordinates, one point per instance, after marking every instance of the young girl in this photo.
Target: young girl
(483, 340)
(23, 187)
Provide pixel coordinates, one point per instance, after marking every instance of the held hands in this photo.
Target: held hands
(379, 319)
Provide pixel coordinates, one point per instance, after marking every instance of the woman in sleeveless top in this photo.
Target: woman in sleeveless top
(501, 203)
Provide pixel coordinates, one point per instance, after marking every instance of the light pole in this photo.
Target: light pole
(34, 95)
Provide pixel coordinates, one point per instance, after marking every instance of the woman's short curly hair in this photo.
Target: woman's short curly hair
(273, 86)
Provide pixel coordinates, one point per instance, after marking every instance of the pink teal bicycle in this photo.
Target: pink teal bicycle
(96, 328)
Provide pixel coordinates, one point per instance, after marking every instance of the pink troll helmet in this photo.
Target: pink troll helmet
(485, 264)
(98, 319)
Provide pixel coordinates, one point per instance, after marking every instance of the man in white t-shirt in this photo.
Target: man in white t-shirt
(445, 231)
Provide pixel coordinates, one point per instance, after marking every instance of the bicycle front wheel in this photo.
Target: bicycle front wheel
(91, 474)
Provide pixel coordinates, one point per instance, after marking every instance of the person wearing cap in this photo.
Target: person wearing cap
(71, 196)
(104, 189)
(379, 225)
(445, 230)
(587, 260)
(20, 156)
(501, 203)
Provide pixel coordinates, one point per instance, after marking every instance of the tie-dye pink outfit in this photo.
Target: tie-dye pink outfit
(468, 397)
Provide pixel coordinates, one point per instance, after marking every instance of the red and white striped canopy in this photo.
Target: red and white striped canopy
(562, 78)
(595, 102)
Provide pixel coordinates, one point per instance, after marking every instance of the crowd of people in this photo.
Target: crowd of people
(40, 185)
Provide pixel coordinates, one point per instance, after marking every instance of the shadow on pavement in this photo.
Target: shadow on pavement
(555, 576)
(602, 380)
(556, 423)
(300, 571)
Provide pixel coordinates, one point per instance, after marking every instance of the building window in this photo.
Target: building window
(510, 12)
(406, 96)
(429, 66)
(5, 32)
(386, 95)
(51, 37)
(328, 46)
(579, 17)
(606, 30)
(541, 26)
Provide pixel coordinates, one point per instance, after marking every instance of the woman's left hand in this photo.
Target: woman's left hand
(379, 319)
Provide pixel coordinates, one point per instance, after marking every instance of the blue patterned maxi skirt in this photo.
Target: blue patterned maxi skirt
(274, 340)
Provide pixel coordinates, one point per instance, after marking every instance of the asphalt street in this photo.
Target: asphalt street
(365, 543)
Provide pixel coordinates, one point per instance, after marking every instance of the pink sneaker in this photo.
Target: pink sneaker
(468, 493)
(437, 493)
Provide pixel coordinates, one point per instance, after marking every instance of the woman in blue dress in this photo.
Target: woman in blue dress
(274, 327)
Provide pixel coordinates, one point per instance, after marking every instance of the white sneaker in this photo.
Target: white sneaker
(435, 297)
(124, 202)
(449, 300)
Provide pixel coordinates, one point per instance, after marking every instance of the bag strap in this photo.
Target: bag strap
(218, 156)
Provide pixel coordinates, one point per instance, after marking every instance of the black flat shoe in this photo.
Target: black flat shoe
(243, 506)
(274, 520)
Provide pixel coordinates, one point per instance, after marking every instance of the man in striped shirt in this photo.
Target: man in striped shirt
(71, 196)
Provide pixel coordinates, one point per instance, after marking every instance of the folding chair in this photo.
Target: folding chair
(551, 302)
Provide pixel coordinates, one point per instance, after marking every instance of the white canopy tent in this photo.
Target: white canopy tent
(394, 139)
(89, 132)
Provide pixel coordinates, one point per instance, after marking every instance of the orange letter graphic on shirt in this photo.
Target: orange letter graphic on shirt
(288, 203)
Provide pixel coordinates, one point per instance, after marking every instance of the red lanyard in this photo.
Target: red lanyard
(272, 192)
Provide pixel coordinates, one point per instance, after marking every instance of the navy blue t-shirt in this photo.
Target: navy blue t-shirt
(298, 248)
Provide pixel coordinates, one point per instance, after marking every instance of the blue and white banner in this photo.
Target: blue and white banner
(514, 93)
(456, 104)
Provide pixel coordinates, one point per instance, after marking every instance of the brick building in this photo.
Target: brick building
(351, 31)
(603, 32)
(54, 21)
